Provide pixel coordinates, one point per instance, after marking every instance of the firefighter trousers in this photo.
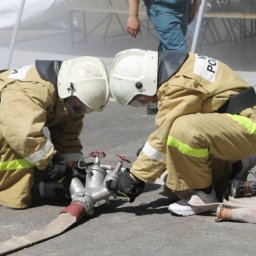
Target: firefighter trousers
(200, 148)
(16, 178)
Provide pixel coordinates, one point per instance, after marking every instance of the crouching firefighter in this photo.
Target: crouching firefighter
(205, 123)
(52, 94)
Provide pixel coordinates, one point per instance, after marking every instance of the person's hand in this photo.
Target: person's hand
(126, 186)
(58, 167)
(133, 25)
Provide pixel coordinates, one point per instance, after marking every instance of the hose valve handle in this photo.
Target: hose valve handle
(97, 155)
(123, 158)
(100, 154)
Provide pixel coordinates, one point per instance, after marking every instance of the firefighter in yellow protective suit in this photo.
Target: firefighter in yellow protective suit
(197, 136)
(52, 94)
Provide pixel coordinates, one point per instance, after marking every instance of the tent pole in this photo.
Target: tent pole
(15, 31)
(198, 25)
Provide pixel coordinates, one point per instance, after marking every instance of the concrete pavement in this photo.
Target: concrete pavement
(144, 227)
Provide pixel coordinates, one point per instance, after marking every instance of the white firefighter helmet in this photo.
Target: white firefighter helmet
(86, 78)
(134, 72)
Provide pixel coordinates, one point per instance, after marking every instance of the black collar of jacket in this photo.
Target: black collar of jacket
(48, 69)
(169, 62)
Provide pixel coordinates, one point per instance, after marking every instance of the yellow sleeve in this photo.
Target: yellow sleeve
(22, 116)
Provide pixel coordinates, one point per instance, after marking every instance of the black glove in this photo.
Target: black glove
(126, 186)
(58, 167)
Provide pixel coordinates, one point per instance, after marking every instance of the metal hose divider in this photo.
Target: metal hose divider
(94, 189)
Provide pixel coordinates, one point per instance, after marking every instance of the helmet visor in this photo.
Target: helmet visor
(77, 107)
(139, 101)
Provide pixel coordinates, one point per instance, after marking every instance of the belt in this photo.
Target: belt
(239, 102)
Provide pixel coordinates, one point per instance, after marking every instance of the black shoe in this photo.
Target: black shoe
(152, 110)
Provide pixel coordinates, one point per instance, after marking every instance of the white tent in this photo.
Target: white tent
(21, 9)
(15, 12)
(14, 35)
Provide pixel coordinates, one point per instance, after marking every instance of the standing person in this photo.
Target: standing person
(52, 94)
(205, 122)
(170, 19)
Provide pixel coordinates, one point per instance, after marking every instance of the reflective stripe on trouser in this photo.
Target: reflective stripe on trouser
(16, 178)
(196, 141)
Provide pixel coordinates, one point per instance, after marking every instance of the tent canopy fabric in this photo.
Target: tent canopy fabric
(27, 9)
(35, 12)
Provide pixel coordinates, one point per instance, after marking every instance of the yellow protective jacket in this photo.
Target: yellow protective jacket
(201, 85)
(28, 104)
